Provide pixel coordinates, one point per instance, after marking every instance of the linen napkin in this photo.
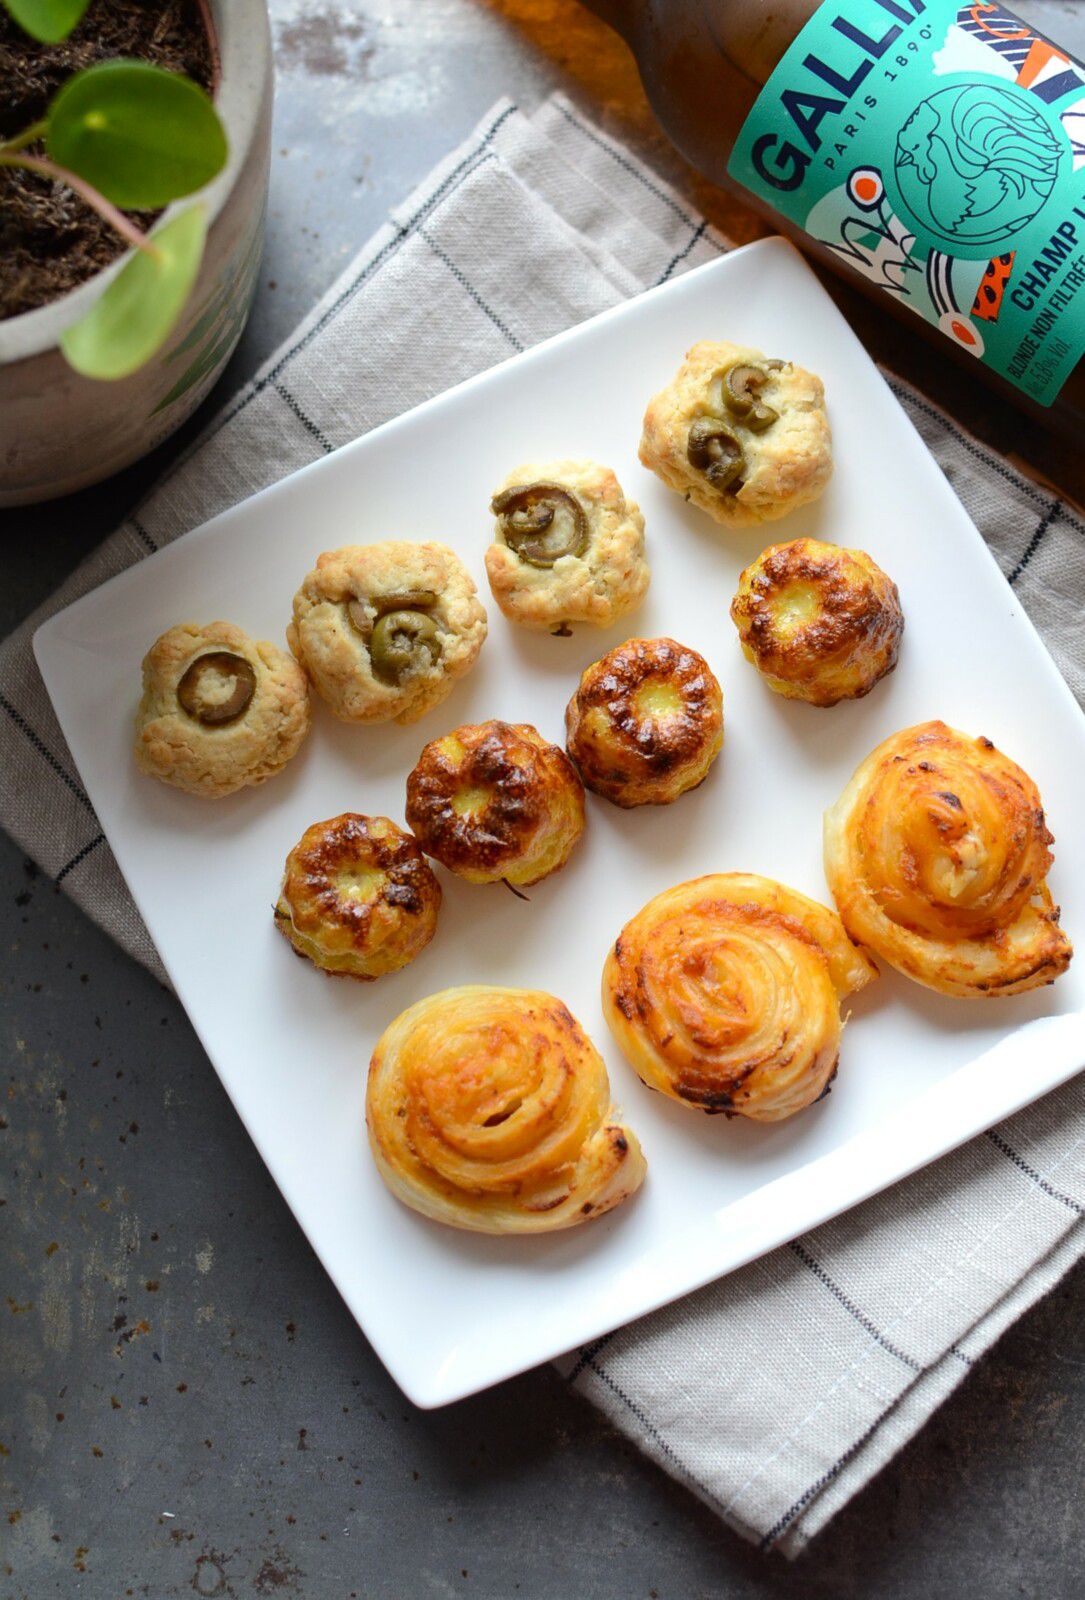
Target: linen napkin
(778, 1391)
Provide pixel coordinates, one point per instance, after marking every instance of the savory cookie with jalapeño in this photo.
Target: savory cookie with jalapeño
(220, 711)
(567, 547)
(384, 630)
(743, 437)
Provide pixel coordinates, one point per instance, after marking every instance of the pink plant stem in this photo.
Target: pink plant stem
(116, 219)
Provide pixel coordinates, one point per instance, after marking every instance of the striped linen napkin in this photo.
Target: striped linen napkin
(777, 1392)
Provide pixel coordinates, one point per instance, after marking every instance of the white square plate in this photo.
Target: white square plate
(449, 1312)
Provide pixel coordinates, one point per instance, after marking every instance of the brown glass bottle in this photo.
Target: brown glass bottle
(703, 64)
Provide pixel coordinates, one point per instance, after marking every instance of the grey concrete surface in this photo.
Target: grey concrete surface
(185, 1405)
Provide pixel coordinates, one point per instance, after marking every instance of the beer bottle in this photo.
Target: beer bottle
(932, 149)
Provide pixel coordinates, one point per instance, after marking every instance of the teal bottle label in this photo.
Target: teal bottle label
(939, 150)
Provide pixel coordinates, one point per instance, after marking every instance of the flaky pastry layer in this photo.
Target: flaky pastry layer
(724, 993)
(489, 1109)
(937, 855)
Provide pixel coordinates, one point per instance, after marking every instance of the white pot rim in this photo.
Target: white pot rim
(244, 51)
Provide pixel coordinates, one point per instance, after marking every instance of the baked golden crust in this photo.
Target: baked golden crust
(220, 711)
(646, 722)
(384, 630)
(778, 451)
(819, 623)
(358, 897)
(724, 993)
(489, 1109)
(496, 801)
(937, 854)
(586, 565)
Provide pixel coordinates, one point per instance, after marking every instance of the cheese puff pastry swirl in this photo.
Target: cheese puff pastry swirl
(936, 855)
(724, 993)
(489, 1109)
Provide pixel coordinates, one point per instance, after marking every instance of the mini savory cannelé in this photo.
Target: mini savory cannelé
(743, 437)
(220, 711)
(937, 855)
(567, 547)
(489, 1109)
(384, 630)
(724, 994)
(819, 623)
(496, 802)
(358, 897)
(646, 722)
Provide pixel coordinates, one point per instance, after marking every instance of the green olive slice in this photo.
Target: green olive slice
(216, 688)
(741, 388)
(400, 641)
(542, 522)
(712, 448)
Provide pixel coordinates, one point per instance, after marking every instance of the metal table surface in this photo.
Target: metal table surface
(186, 1405)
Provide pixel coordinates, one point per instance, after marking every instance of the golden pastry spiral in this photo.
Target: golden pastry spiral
(936, 854)
(724, 993)
(489, 1109)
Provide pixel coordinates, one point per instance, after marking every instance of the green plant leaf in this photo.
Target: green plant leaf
(48, 21)
(141, 136)
(140, 308)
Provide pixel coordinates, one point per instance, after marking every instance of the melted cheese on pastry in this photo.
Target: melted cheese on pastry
(489, 1109)
(937, 854)
(724, 993)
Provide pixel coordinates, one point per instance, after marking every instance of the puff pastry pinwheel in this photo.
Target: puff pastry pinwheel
(646, 722)
(384, 630)
(219, 710)
(496, 802)
(937, 854)
(819, 623)
(745, 438)
(568, 546)
(358, 897)
(489, 1109)
(724, 993)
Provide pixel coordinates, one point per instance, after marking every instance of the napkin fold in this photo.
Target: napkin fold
(778, 1391)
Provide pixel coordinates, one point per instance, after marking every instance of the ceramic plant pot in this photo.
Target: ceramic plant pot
(60, 431)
